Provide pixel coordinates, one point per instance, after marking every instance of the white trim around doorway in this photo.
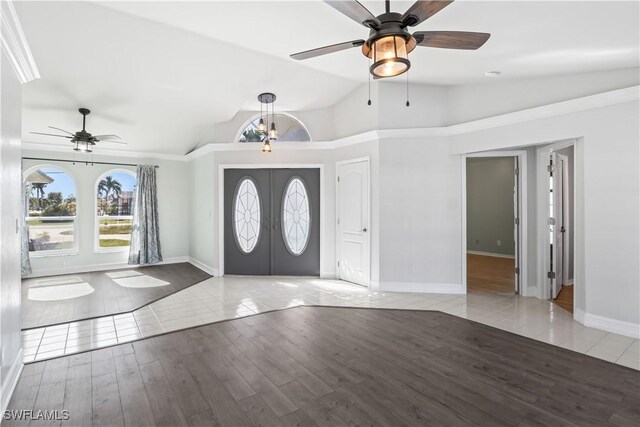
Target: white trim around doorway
(223, 167)
(542, 238)
(523, 214)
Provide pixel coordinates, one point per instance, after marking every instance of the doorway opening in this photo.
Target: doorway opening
(560, 247)
(494, 221)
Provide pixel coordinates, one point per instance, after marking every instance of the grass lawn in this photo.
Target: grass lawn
(111, 243)
(115, 229)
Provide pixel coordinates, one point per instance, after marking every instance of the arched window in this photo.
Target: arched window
(51, 214)
(114, 201)
(289, 129)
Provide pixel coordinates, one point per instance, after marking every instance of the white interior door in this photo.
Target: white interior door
(353, 222)
(557, 223)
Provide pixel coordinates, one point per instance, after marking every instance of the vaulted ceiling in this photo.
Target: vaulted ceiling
(160, 74)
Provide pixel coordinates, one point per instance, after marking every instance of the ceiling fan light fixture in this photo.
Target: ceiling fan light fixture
(83, 147)
(390, 56)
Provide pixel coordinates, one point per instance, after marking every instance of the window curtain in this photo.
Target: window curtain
(24, 249)
(145, 232)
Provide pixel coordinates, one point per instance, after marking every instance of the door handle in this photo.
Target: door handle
(364, 230)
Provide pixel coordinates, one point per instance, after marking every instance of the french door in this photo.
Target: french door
(271, 222)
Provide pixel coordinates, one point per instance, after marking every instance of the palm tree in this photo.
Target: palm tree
(107, 186)
(39, 190)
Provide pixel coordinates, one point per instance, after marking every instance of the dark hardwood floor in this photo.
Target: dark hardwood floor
(490, 274)
(334, 366)
(108, 298)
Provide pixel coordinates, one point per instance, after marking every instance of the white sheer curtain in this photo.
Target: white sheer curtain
(145, 233)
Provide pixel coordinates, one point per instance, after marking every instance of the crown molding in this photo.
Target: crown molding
(15, 45)
(605, 99)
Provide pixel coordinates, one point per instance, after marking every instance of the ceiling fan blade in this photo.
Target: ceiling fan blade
(62, 130)
(51, 134)
(422, 10)
(327, 49)
(356, 11)
(112, 141)
(451, 39)
(103, 137)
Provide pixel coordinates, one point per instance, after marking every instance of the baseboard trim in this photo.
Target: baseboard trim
(328, 274)
(427, 288)
(493, 254)
(612, 325)
(96, 267)
(11, 381)
(204, 267)
(608, 324)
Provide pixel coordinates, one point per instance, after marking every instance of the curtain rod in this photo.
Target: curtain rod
(86, 162)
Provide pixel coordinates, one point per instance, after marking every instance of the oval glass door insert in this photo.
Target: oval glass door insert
(246, 215)
(296, 216)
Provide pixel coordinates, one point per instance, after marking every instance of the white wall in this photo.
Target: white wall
(173, 207)
(420, 216)
(10, 212)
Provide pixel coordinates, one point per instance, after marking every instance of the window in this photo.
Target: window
(114, 201)
(289, 129)
(296, 217)
(51, 215)
(246, 215)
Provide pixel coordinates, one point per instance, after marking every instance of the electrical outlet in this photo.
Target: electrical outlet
(410, 268)
(499, 242)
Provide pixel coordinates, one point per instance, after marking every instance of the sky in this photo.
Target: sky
(64, 184)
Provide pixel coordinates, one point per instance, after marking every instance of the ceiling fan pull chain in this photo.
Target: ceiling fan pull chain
(408, 103)
(369, 74)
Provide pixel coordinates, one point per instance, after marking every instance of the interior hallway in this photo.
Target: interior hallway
(490, 274)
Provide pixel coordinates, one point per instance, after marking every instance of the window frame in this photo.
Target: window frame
(96, 226)
(74, 250)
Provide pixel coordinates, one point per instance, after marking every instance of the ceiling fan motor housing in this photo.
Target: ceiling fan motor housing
(390, 25)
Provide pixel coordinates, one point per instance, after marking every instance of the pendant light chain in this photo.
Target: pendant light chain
(369, 74)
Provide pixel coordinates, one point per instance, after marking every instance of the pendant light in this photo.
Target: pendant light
(272, 135)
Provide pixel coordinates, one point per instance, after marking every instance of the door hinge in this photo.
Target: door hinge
(338, 179)
(517, 221)
(551, 221)
(551, 274)
(338, 263)
(338, 221)
(517, 171)
(551, 169)
(517, 270)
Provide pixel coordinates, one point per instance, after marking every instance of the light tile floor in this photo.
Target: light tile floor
(230, 297)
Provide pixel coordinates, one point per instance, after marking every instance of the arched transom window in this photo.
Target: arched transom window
(289, 129)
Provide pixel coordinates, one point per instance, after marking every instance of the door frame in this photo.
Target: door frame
(367, 160)
(521, 249)
(223, 167)
(543, 238)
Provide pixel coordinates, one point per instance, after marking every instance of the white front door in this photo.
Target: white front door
(353, 222)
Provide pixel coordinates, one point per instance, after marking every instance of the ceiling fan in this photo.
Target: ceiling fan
(389, 41)
(82, 139)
